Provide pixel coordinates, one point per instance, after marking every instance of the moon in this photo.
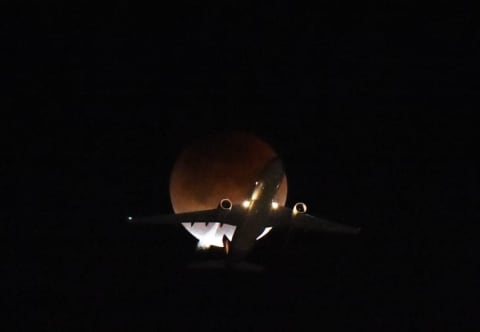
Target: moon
(216, 167)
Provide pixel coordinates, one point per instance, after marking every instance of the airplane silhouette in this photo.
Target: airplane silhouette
(253, 216)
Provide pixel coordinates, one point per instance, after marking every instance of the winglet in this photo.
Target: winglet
(226, 244)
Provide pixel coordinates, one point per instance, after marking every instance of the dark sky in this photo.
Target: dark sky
(370, 107)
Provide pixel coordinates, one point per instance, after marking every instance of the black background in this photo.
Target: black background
(371, 108)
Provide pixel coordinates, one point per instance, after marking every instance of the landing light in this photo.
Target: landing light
(246, 204)
(274, 205)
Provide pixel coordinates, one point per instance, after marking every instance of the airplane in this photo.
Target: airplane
(253, 216)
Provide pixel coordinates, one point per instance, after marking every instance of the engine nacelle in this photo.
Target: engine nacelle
(299, 208)
(225, 204)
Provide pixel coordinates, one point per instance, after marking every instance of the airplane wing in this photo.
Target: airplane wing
(232, 217)
(309, 222)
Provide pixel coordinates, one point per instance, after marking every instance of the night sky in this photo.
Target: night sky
(371, 108)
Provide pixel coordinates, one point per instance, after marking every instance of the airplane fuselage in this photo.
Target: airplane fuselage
(260, 205)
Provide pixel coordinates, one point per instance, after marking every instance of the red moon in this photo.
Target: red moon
(220, 166)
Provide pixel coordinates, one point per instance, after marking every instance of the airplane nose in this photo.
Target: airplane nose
(273, 170)
(276, 165)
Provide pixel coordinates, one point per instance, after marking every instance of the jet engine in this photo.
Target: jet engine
(299, 208)
(225, 204)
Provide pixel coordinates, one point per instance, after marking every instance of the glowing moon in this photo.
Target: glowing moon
(216, 167)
